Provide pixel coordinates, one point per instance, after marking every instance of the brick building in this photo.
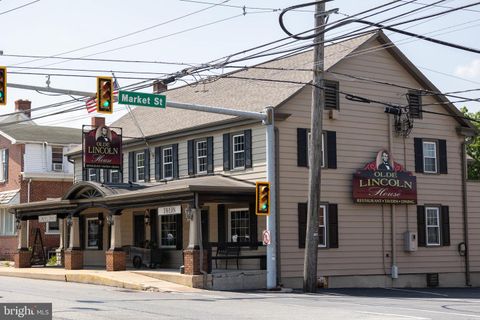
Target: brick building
(32, 168)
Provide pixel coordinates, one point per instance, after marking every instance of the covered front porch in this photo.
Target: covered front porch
(182, 225)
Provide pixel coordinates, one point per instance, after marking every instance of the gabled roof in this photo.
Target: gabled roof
(251, 95)
(21, 133)
(234, 93)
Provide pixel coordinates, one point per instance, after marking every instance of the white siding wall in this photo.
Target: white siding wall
(38, 159)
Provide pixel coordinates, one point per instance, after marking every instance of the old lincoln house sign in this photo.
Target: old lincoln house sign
(384, 181)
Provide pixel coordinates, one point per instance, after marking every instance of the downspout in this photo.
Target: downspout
(200, 241)
(28, 189)
(465, 210)
(45, 148)
(394, 270)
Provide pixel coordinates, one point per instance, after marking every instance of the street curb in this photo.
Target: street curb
(77, 278)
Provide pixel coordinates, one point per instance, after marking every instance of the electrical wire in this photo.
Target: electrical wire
(19, 7)
(128, 34)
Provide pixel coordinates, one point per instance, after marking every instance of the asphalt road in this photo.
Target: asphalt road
(81, 301)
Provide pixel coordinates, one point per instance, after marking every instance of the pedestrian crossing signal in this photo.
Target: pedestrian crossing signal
(262, 198)
(105, 95)
(3, 86)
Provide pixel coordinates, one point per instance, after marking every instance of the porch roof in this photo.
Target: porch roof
(120, 196)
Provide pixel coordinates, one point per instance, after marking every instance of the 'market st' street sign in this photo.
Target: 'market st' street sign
(142, 99)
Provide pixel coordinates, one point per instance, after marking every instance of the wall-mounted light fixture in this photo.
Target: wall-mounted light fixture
(110, 220)
(69, 220)
(147, 217)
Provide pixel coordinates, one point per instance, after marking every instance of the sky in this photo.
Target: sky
(191, 33)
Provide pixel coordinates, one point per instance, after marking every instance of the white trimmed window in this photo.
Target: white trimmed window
(140, 166)
(432, 226)
(309, 144)
(168, 231)
(92, 175)
(92, 232)
(167, 163)
(430, 157)
(322, 226)
(52, 228)
(239, 225)
(3, 164)
(57, 158)
(238, 141)
(201, 156)
(7, 223)
(114, 176)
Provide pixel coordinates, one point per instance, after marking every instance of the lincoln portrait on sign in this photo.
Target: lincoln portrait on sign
(103, 134)
(384, 161)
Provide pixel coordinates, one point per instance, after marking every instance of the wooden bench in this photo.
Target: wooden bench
(227, 252)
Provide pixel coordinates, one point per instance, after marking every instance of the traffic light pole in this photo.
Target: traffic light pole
(267, 119)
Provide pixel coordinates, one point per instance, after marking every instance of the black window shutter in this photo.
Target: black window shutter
(418, 146)
(302, 224)
(226, 152)
(415, 104)
(445, 226)
(442, 152)
(332, 100)
(5, 169)
(179, 227)
(82, 227)
(175, 160)
(248, 148)
(153, 226)
(302, 147)
(100, 231)
(158, 164)
(253, 226)
(221, 217)
(146, 155)
(191, 157)
(84, 174)
(210, 154)
(131, 166)
(421, 226)
(332, 225)
(331, 149)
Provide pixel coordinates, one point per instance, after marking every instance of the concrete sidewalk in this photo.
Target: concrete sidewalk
(122, 279)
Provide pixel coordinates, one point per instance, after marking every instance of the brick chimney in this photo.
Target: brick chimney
(25, 106)
(159, 87)
(98, 121)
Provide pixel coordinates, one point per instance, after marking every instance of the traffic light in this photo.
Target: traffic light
(3, 85)
(104, 95)
(263, 198)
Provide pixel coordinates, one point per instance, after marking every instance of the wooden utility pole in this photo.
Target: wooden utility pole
(315, 155)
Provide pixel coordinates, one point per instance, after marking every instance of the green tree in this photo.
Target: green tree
(473, 146)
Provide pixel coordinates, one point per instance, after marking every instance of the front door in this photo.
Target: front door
(139, 230)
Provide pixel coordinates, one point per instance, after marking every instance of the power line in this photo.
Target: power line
(126, 35)
(19, 7)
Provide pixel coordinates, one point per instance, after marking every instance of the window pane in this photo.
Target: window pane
(168, 227)
(201, 156)
(140, 166)
(433, 235)
(167, 163)
(92, 233)
(57, 154)
(430, 164)
(239, 226)
(238, 151)
(322, 234)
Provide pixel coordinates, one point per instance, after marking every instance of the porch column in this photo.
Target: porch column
(61, 247)
(191, 255)
(115, 256)
(74, 254)
(22, 256)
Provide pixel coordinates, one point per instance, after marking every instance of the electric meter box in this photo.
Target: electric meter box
(410, 241)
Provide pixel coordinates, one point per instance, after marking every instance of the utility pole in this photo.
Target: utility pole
(315, 155)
